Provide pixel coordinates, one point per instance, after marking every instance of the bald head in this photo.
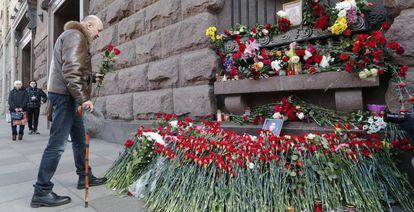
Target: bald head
(93, 24)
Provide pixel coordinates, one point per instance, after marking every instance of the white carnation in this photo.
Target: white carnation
(155, 137)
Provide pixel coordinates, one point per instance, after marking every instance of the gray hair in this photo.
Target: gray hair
(18, 82)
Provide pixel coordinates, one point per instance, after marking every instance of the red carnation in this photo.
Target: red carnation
(318, 58)
(344, 56)
(285, 59)
(110, 47)
(385, 25)
(393, 45)
(378, 54)
(227, 32)
(400, 51)
(129, 143)
(404, 68)
(313, 70)
(116, 51)
(348, 67)
(254, 30)
(268, 26)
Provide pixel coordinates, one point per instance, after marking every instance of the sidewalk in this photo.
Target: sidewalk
(19, 162)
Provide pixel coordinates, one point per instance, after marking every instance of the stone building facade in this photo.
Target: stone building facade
(165, 65)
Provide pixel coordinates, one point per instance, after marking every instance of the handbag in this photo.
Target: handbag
(16, 115)
(22, 121)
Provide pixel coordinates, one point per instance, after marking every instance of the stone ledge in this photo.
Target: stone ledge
(320, 81)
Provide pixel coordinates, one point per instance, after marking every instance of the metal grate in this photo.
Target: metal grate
(249, 12)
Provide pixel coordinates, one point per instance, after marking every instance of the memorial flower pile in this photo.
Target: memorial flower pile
(185, 167)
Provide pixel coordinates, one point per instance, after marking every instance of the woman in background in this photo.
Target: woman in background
(36, 97)
(18, 103)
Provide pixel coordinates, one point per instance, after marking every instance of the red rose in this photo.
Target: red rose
(116, 51)
(313, 70)
(300, 52)
(129, 143)
(227, 32)
(322, 22)
(357, 47)
(268, 26)
(291, 72)
(380, 71)
(284, 24)
(110, 47)
(285, 59)
(348, 32)
(254, 30)
(344, 56)
(318, 58)
(385, 25)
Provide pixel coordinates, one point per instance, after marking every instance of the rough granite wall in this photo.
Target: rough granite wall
(165, 64)
(402, 30)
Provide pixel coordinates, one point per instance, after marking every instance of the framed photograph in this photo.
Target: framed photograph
(294, 12)
(274, 125)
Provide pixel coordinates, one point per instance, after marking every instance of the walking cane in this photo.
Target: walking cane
(88, 140)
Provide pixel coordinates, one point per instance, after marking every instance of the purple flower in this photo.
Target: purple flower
(351, 15)
(376, 108)
(228, 62)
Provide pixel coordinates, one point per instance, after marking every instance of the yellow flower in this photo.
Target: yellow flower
(279, 53)
(219, 37)
(258, 65)
(211, 31)
(339, 26)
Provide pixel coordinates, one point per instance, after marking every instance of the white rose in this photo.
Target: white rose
(301, 116)
(295, 59)
(265, 32)
(281, 14)
(363, 75)
(374, 72)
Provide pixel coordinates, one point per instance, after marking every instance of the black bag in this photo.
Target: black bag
(16, 115)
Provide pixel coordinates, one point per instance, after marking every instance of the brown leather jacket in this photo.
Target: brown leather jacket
(70, 70)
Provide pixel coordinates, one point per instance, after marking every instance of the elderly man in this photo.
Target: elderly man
(69, 88)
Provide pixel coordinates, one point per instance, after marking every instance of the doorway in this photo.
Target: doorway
(68, 11)
(26, 61)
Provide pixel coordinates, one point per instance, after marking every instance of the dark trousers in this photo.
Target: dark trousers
(14, 129)
(65, 121)
(33, 118)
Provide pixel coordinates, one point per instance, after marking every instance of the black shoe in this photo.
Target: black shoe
(36, 132)
(49, 200)
(14, 137)
(20, 137)
(31, 132)
(93, 181)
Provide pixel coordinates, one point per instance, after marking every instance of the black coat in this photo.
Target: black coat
(38, 95)
(18, 99)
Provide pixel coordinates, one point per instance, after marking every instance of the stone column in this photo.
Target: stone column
(13, 76)
(4, 30)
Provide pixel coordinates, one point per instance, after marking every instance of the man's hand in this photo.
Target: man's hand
(88, 105)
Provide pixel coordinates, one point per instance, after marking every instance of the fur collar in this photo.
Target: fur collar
(78, 26)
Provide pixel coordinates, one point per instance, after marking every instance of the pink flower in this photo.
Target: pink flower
(251, 47)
